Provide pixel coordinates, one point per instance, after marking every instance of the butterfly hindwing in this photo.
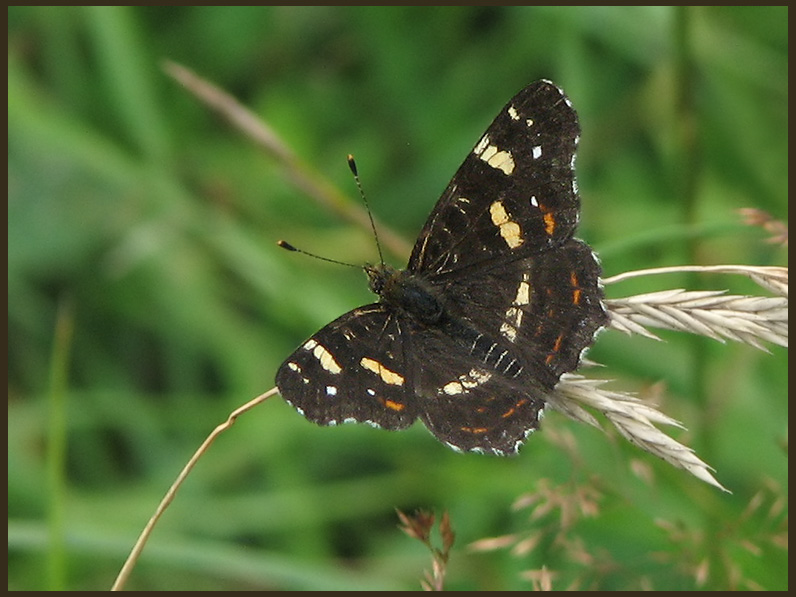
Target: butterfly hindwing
(549, 310)
(566, 310)
(484, 381)
(465, 402)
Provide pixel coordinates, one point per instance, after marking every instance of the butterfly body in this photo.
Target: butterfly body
(498, 299)
(406, 292)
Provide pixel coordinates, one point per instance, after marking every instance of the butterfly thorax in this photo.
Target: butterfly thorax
(406, 291)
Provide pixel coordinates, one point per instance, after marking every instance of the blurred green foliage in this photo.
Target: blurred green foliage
(146, 225)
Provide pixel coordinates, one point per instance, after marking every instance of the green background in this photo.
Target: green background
(146, 225)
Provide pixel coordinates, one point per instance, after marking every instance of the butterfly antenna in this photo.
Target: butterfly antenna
(353, 166)
(288, 247)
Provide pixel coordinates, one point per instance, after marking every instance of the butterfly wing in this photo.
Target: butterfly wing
(354, 369)
(515, 193)
(525, 295)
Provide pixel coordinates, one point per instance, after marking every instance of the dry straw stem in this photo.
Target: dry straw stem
(129, 564)
(304, 177)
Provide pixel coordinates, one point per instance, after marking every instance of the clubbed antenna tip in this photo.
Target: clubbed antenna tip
(352, 164)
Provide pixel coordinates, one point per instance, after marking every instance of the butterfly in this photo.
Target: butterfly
(498, 299)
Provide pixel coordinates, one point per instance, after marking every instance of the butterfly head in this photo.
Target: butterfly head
(379, 276)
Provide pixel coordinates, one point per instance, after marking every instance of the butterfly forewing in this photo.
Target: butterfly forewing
(497, 302)
(515, 193)
(354, 369)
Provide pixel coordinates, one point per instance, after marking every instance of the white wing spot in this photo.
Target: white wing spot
(296, 368)
(453, 388)
(387, 376)
(324, 357)
(534, 202)
(497, 158)
(536, 152)
(508, 331)
(475, 378)
(511, 325)
(331, 391)
(509, 230)
(464, 383)
(462, 201)
(482, 144)
(523, 291)
(513, 113)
